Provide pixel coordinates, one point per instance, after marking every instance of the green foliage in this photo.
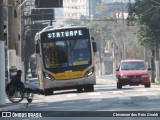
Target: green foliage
(146, 14)
(105, 31)
(144, 37)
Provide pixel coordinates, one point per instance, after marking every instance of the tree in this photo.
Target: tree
(146, 14)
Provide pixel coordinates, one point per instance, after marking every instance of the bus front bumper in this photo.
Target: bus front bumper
(69, 84)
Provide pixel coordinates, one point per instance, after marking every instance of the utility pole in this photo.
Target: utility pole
(13, 38)
(123, 26)
(157, 79)
(114, 58)
(129, 1)
(153, 66)
(101, 52)
(2, 57)
(11, 32)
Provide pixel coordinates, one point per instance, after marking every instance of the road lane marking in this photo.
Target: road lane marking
(117, 92)
(94, 93)
(141, 90)
(71, 95)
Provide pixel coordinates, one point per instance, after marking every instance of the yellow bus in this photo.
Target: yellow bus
(65, 59)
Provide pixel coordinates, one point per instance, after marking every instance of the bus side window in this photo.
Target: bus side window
(94, 46)
(37, 48)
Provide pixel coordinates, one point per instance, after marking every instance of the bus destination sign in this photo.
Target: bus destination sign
(64, 34)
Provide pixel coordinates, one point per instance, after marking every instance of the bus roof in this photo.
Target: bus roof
(48, 28)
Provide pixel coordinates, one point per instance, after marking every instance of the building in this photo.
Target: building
(91, 9)
(75, 9)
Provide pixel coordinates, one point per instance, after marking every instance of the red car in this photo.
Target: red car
(133, 72)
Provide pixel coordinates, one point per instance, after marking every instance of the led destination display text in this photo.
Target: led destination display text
(63, 34)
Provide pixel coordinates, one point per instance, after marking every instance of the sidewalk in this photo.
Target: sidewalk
(12, 106)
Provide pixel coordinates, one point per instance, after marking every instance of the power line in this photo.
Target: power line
(152, 12)
(155, 2)
(156, 6)
(147, 10)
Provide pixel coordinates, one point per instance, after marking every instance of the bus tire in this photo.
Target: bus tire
(48, 92)
(80, 89)
(89, 88)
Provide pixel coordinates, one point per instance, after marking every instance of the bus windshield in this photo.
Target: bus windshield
(65, 53)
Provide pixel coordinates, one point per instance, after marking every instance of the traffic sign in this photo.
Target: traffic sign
(48, 3)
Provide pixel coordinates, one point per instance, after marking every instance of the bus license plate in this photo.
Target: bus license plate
(70, 83)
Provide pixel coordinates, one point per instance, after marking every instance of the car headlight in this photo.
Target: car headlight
(145, 76)
(89, 72)
(48, 76)
(123, 76)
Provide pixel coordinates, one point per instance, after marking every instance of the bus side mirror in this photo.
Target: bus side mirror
(94, 46)
(37, 48)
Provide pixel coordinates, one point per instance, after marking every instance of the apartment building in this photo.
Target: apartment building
(75, 9)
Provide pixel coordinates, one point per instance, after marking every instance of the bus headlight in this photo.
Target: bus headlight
(48, 76)
(89, 72)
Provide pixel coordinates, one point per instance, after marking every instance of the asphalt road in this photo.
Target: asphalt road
(106, 102)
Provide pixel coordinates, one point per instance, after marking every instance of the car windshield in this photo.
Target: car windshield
(133, 66)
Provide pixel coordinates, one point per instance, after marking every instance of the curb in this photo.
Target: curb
(14, 107)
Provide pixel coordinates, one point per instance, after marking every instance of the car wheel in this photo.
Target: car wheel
(119, 86)
(147, 85)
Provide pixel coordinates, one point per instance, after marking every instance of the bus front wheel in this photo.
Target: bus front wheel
(48, 92)
(89, 88)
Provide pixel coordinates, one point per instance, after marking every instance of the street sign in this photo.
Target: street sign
(48, 3)
(42, 14)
